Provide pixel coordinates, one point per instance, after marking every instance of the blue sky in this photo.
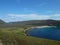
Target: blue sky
(21, 10)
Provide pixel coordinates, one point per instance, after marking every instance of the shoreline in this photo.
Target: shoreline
(26, 31)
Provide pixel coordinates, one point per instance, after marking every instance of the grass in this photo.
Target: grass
(16, 36)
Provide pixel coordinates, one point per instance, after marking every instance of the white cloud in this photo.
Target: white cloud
(29, 16)
(57, 15)
(24, 17)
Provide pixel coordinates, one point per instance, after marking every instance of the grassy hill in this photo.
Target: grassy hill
(30, 23)
(16, 36)
(35, 23)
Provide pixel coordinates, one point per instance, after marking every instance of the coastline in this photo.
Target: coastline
(26, 31)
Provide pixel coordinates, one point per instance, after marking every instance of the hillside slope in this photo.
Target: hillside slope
(30, 23)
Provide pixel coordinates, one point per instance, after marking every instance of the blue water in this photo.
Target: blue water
(52, 33)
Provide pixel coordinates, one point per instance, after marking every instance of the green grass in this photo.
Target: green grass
(16, 36)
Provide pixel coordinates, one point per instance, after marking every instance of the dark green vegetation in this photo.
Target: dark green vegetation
(16, 36)
(30, 23)
(2, 22)
(37, 22)
(13, 33)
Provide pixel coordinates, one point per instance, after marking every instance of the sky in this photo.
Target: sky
(22, 10)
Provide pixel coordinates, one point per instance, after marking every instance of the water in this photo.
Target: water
(52, 33)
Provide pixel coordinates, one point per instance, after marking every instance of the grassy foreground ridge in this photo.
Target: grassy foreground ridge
(16, 36)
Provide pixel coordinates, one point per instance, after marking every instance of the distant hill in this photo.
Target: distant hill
(36, 22)
(31, 23)
(2, 22)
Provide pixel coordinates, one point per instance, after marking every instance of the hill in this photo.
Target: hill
(30, 23)
(36, 22)
(2, 22)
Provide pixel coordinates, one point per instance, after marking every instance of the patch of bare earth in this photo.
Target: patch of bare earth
(1, 43)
